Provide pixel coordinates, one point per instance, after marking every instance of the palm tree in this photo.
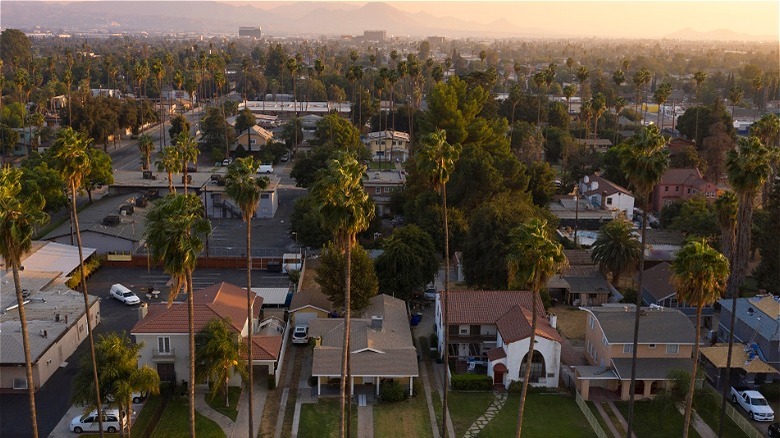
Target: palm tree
(245, 188)
(146, 145)
(735, 96)
(767, 128)
(726, 214)
(292, 66)
(569, 90)
(582, 75)
(640, 79)
(534, 256)
(618, 77)
(644, 160)
(436, 160)
(660, 96)
(698, 274)
(175, 232)
(170, 162)
(599, 105)
(219, 80)
(618, 104)
(72, 160)
(539, 81)
(18, 218)
(188, 151)
(699, 77)
(616, 250)
(347, 210)
(159, 72)
(219, 356)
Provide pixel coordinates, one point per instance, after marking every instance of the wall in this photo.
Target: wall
(516, 352)
(103, 243)
(181, 348)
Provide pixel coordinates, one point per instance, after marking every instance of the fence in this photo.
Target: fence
(594, 423)
(152, 424)
(742, 422)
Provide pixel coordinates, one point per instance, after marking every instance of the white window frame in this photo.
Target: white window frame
(163, 344)
(672, 348)
(628, 348)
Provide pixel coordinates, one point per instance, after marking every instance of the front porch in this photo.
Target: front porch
(359, 385)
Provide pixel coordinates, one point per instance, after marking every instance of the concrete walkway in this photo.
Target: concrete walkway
(225, 423)
(702, 428)
(291, 359)
(365, 424)
(607, 420)
(259, 394)
(499, 398)
(429, 399)
(305, 393)
(438, 377)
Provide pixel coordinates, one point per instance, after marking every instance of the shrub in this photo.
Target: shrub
(471, 382)
(392, 391)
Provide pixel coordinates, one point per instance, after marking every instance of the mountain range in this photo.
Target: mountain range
(279, 19)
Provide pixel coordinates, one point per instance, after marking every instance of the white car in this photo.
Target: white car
(90, 423)
(300, 335)
(124, 295)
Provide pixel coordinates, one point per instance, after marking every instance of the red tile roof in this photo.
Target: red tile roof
(266, 347)
(486, 306)
(222, 300)
(496, 353)
(690, 177)
(516, 325)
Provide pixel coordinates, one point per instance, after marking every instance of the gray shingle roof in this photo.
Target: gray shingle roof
(655, 368)
(666, 326)
(768, 308)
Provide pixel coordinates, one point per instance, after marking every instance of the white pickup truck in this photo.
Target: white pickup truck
(754, 403)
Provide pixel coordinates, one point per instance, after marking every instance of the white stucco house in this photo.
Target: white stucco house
(606, 195)
(493, 328)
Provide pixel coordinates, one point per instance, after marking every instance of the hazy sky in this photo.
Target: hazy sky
(606, 18)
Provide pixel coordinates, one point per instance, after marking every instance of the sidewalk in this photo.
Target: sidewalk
(365, 427)
(260, 393)
(225, 423)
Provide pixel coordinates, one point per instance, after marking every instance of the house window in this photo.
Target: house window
(453, 330)
(628, 348)
(666, 188)
(20, 383)
(253, 141)
(609, 201)
(689, 191)
(474, 329)
(387, 189)
(652, 346)
(164, 344)
(676, 188)
(464, 330)
(672, 348)
(379, 190)
(592, 322)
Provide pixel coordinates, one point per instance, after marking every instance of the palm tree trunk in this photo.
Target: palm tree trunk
(344, 432)
(636, 320)
(528, 364)
(692, 385)
(191, 329)
(446, 312)
(26, 345)
(250, 316)
(75, 218)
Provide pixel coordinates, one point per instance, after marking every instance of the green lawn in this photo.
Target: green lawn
(709, 410)
(465, 407)
(415, 416)
(143, 418)
(539, 407)
(321, 419)
(218, 402)
(651, 419)
(175, 422)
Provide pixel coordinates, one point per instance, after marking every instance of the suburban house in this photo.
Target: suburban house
(666, 338)
(747, 369)
(574, 211)
(56, 320)
(381, 348)
(165, 336)
(388, 145)
(492, 329)
(287, 110)
(757, 326)
(662, 245)
(606, 195)
(308, 302)
(219, 205)
(678, 185)
(580, 285)
(380, 185)
(599, 145)
(252, 139)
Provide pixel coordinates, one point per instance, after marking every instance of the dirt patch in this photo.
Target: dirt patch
(571, 321)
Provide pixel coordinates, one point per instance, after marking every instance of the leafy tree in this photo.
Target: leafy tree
(14, 47)
(686, 158)
(696, 218)
(120, 377)
(146, 145)
(616, 250)
(541, 183)
(306, 222)
(699, 274)
(715, 146)
(175, 232)
(8, 139)
(245, 120)
(43, 178)
(214, 132)
(768, 271)
(408, 262)
(696, 126)
(72, 160)
(19, 216)
(218, 355)
(534, 256)
(170, 162)
(245, 188)
(330, 277)
(100, 171)
(179, 124)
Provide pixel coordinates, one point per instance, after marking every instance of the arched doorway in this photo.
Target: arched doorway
(538, 368)
(499, 370)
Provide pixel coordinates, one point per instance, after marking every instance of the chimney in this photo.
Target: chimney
(553, 320)
(376, 322)
(142, 311)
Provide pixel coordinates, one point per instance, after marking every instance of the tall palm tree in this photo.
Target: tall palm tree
(436, 160)
(72, 160)
(188, 151)
(699, 275)
(245, 188)
(618, 104)
(747, 167)
(582, 75)
(146, 145)
(644, 160)
(534, 256)
(219, 356)
(699, 77)
(616, 250)
(170, 162)
(292, 66)
(767, 128)
(735, 96)
(660, 96)
(640, 79)
(726, 215)
(175, 232)
(219, 81)
(599, 105)
(159, 72)
(18, 218)
(347, 210)
(618, 77)
(539, 81)
(569, 90)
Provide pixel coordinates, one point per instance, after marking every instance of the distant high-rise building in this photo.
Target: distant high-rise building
(374, 35)
(436, 39)
(251, 32)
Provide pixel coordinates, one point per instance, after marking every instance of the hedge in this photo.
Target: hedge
(392, 391)
(471, 382)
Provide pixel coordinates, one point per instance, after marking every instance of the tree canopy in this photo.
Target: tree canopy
(330, 277)
(408, 262)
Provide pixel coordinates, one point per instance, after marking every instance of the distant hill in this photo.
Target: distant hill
(717, 35)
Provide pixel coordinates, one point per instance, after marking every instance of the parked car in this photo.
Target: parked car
(90, 423)
(285, 157)
(124, 295)
(430, 294)
(266, 168)
(227, 161)
(754, 403)
(300, 335)
(137, 397)
(774, 430)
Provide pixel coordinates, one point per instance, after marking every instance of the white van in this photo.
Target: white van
(266, 168)
(89, 422)
(124, 295)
